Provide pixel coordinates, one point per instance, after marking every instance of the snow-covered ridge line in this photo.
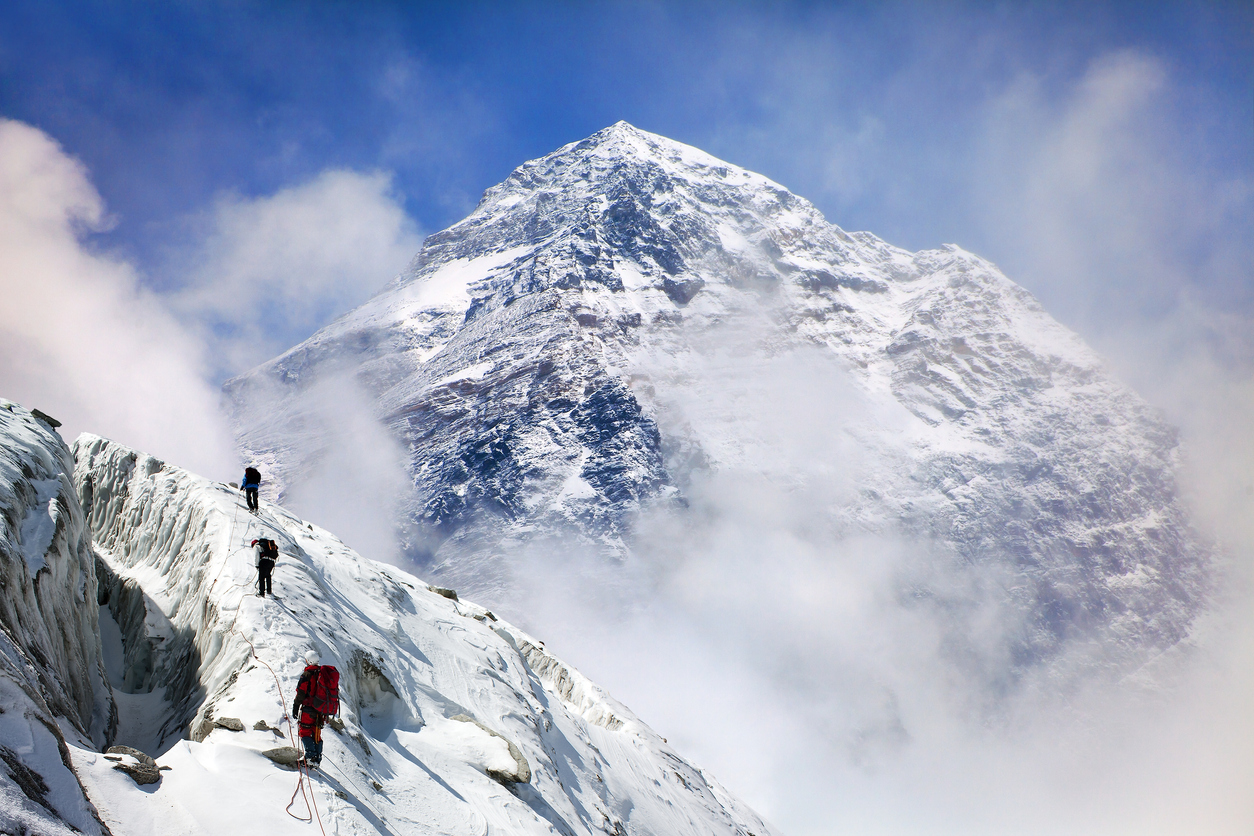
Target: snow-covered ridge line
(415, 666)
(575, 689)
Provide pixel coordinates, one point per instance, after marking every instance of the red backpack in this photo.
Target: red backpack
(324, 691)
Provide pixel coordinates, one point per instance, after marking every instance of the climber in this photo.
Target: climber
(250, 485)
(317, 698)
(267, 555)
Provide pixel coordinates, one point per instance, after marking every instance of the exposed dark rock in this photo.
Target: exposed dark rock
(143, 769)
(46, 418)
(134, 753)
(284, 755)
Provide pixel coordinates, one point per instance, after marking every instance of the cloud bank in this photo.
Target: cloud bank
(81, 338)
(789, 657)
(782, 655)
(264, 273)
(86, 339)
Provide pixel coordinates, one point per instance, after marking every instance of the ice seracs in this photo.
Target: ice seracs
(53, 690)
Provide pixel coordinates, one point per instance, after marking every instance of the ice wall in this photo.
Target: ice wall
(52, 679)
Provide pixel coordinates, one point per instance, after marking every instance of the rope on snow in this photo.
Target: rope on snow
(311, 802)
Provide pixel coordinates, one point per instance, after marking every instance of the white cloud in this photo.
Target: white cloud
(360, 476)
(269, 271)
(84, 340)
(1112, 213)
(80, 338)
(782, 653)
(1103, 202)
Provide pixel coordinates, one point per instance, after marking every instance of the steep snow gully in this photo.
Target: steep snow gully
(454, 721)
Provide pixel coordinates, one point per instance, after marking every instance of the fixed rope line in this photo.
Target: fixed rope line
(311, 802)
(300, 781)
(231, 538)
(362, 797)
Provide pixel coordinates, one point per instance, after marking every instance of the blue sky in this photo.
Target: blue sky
(922, 122)
(170, 104)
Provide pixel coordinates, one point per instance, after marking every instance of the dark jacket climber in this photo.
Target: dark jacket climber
(267, 552)
(250, 483)
(317, 697)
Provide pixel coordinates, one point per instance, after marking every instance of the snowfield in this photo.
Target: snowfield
(455, 722)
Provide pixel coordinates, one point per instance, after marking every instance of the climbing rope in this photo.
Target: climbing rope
(311, 801)
(232, 553)
(362, 797)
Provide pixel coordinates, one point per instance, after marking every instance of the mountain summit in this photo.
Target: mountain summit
(593, 343)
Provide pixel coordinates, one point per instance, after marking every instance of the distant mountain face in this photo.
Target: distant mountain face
(590, 341)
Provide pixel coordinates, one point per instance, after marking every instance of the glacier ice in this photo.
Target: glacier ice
(53, 689)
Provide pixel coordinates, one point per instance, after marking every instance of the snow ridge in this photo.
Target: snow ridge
(449, 726)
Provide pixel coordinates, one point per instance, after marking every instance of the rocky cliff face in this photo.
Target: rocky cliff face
(545, 363)
(51, 672)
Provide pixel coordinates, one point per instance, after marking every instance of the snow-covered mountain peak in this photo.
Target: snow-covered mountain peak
(626, 189)
(613, 152)
(598, 335)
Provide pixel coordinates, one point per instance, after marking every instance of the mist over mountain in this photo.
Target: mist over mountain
(630, 349)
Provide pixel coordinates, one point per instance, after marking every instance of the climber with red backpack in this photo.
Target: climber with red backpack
(317, 698)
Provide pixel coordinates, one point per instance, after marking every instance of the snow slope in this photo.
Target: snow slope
(438, 694)
(590, 342)
(52, 684)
